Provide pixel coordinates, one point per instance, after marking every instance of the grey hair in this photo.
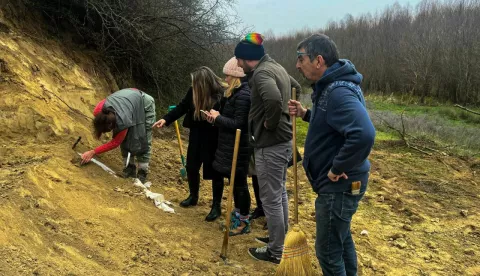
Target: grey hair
(320, 45)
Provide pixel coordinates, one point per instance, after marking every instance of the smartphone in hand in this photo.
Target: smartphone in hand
(207, 116)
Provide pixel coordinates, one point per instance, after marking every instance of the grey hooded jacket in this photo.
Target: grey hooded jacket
(129, 111)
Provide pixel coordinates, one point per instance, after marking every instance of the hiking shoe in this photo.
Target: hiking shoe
(235, 231)
(142, 175)
(130, 171)
(263, 240)
(262, 254)
(257, 213)
(235, 218)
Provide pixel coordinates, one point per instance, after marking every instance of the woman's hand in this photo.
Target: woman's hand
(212, 115)
(208, 117)
(87, 156)
(160, 123)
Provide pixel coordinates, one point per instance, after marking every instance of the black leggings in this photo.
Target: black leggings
(241, 195)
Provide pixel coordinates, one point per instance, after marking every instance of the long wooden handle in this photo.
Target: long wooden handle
(294, 148)
(230, 196)
(178, 137)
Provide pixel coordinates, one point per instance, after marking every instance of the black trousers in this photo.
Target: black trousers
(202, 145)
(256, 191)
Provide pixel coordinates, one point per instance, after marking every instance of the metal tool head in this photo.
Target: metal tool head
(76, 142)
(183, 173)
(225, 259)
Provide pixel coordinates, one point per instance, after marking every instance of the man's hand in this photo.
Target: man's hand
(296, 109)
(334, 178)
(160, 123)
(87, 156)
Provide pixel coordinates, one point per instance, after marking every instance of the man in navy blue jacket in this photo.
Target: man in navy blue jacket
(339, 139)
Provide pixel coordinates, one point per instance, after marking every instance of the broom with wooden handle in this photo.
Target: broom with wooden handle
(296, 253)
(223, 255)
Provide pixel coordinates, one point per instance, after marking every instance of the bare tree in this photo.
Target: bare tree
(154, 42)
(431, 51)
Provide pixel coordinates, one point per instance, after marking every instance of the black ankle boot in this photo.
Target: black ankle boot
(257, 213)
(217, 189)
(214, 213)
(190, 201)
(193, 186)
(142, 175)
(130, 171)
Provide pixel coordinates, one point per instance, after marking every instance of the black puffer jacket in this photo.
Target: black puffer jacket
(234, 115)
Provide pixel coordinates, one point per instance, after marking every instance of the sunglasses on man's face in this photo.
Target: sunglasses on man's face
(299, 54)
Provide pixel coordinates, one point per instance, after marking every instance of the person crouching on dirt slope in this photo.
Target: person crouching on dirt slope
(130, 114)
(233, 116)
(205, 94)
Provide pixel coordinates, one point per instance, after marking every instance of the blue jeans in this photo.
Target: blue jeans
(334, 245)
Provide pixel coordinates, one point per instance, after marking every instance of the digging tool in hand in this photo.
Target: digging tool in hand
(223, 255)
(101, 165)
(183, 170)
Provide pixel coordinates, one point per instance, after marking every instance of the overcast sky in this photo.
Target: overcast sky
(284, 16)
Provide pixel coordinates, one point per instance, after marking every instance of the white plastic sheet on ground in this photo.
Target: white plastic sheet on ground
(158, 199)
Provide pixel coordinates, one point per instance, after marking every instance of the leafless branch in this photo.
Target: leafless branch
(466, 109)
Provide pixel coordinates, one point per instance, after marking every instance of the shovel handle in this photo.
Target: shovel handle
(177, 130)
(223, 255)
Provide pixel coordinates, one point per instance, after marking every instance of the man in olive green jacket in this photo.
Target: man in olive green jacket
(271, 134)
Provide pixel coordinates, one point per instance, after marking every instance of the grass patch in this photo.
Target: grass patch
(386, 136)
(450, 114)
(302, 129)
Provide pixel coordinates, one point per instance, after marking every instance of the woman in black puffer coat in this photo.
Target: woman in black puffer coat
(233, 116)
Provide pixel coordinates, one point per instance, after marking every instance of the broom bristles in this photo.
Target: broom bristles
(296, 255)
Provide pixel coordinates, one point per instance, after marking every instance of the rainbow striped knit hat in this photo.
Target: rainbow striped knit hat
(250, 47)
